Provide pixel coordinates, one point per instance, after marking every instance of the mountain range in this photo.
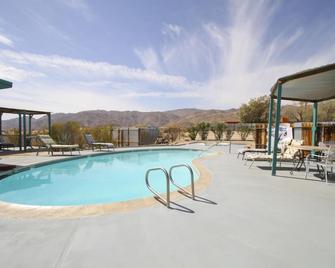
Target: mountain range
(179, 118)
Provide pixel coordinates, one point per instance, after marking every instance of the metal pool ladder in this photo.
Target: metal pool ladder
(191, 176)
(169, 178)
(167, 200)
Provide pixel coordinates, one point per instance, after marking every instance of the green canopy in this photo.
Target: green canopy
(5, 84)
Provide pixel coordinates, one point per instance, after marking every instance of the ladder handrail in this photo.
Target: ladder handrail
(192, 179)
(167, 200)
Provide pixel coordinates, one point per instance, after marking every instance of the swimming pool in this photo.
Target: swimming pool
(97, 179)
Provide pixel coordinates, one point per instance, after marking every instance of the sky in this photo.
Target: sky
(156, 55)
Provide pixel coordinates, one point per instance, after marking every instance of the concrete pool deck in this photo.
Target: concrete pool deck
(254, 220)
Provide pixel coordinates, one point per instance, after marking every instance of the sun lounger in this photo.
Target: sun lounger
(4, 144)
(249, 150)
(288, 153)
(47, 142)
(93, 144)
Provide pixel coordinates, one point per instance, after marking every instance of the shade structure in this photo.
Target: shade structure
(24, 116)
(5, 84)
(312, 85)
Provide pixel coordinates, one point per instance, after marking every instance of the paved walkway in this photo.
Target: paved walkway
(257, 221)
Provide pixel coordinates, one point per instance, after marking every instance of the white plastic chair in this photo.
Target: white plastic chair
(326, 161)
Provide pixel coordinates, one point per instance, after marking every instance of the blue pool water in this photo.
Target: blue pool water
(95, 180)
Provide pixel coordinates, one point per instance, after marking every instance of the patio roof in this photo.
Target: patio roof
(21, 111)
(5, 84)
(312, 85)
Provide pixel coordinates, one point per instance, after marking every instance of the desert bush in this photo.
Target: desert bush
(203, 129)
(229, 133)
(103, 133)
(193, 132)
(243, 131)
(67, 133)
(218, 130)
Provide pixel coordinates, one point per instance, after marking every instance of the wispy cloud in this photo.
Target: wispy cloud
(208, 66)
(65, 65)
(240, 60)
(98, 85)
(80, 6)
(17, 74)
(4, 40)
(172, 30)
(149, 59)
(43, 23)
(60, 98)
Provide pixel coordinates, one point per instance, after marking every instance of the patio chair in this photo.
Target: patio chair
(287, 153)
(91, 142)
(47, 142)
(323, 162)
(4, 144)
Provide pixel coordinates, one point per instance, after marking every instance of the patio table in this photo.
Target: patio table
(305, 148)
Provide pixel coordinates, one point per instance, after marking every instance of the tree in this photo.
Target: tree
(243, 131)
(256, 111)
(193, 132)
(327, 111)
(302, 111)
(229, 133)
(103, 133)
(218, 130)
(203, 128)
(57, 132)
(72, 133)
(67, 133)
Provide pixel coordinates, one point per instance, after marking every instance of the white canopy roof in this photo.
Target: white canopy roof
(312, 85)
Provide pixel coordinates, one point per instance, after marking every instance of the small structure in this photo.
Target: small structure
(24, 133)
(23, 115)
(134, 136)
(313, 85)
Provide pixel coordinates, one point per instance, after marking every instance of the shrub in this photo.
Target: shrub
(218, 130)
(229, 133)
(203, 129)
(67, 133)
(243, 131)
(193, 132)
(102, 133)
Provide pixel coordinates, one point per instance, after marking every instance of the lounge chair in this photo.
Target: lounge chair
(287, 153)
(244, 151)
(4, 144)
(47, 142)
(91, 142)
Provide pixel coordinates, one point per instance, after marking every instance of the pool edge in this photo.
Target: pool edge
(20, 211)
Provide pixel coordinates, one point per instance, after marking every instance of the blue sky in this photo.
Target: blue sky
(73, 55)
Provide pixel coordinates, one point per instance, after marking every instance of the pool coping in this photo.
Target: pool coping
(13, 210)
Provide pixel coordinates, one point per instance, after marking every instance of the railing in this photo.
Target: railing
(167, 200)
(228, 143)
(169, 178)
(192, 179)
